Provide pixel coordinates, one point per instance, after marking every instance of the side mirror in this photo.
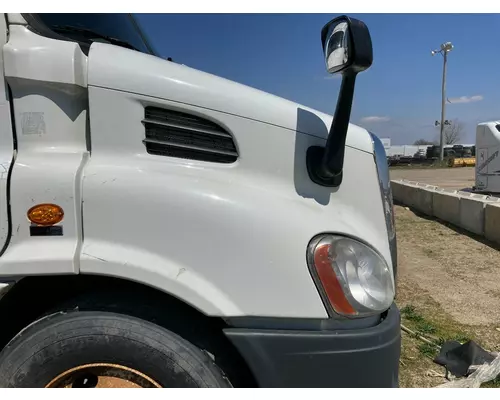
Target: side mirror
(347, 48)
(347, 45)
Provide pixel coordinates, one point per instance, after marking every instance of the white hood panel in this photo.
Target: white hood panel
(152, 76)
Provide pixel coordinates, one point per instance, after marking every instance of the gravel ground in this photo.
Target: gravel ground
(450, 281)
(452, 178)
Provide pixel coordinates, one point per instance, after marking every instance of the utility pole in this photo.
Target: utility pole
(444, 50)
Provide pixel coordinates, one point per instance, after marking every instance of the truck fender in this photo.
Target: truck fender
(139, 265)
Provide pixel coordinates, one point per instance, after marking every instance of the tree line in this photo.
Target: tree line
(452, 134)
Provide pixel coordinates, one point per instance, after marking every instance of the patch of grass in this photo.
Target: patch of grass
(410, 313)
(460, 337)
(438, 331)
(426, 328)
(421, 325)
(457, 337)
(428, 350)
(495, 383)
(417, 355)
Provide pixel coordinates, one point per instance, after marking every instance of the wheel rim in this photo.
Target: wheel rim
(102, 375)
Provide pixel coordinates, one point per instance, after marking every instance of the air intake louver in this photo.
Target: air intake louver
(175, 134)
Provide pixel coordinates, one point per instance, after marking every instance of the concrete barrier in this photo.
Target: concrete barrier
(401, 191)
(408, 194)
(492, 222)
(423, 200)
(479, 214)
(446, 206)
(471, 214)
(397, 190)
(414, 195)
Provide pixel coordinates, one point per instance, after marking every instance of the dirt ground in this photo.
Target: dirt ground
(448, 288)
(452, 178)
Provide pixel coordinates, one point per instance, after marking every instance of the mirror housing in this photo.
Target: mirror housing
(348, 37)
(347, 48)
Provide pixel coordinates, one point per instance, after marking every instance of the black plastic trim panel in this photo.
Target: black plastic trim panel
(366, 357)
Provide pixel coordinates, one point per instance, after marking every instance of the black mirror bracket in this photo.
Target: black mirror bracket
(325, 164)
(314, 161)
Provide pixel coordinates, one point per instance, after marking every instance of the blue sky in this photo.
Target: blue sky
(398, 97)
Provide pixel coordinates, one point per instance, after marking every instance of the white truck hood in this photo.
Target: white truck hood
(121, 69)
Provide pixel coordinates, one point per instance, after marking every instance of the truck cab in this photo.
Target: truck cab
(487, 160)
(165, 227)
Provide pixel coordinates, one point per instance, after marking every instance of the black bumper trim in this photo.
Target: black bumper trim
(366, 357)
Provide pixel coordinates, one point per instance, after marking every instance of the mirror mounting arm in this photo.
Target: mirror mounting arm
(325, 164)
(348, 49)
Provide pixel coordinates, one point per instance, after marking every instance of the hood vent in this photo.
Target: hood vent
(176, 134)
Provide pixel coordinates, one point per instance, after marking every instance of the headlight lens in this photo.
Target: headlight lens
(354, 279)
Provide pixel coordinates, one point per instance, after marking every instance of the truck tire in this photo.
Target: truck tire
(103, 349)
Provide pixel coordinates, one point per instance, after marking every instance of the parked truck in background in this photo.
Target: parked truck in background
(487, 160)
(164, 227)
(455, 150)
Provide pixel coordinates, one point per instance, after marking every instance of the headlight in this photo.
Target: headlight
(353, 278)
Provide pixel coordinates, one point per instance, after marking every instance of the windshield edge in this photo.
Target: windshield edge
(143, 36)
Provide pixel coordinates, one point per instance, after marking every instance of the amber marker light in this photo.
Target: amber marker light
(45, 214)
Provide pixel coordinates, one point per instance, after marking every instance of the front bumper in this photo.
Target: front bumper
(366, 357)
